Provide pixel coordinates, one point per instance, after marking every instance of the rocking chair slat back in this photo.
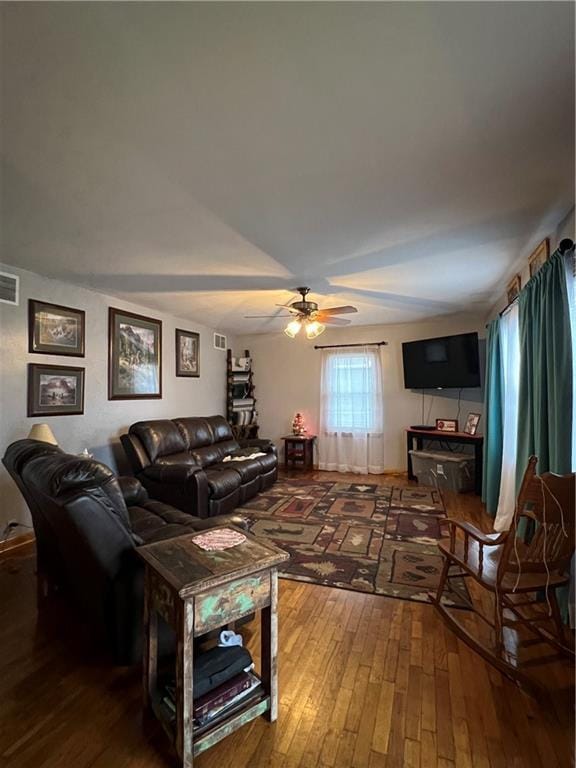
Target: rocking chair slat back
(546, 542)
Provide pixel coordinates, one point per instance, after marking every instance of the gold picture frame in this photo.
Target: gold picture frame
(513, 288)
(539, 256)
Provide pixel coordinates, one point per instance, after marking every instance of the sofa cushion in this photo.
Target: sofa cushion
(155, 521)
(248, 470)
(195, 431)
(268, 462)
(208, 455)
(222, 482)
(160, 437)
(221, 430)
(184, 457)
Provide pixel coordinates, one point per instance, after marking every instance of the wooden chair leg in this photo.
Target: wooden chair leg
(558, 623)
(498, 624)
(443, 578)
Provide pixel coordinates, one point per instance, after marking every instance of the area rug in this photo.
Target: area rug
(364, 537)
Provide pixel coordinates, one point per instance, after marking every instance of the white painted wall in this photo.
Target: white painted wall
(103, 420)
(287, 379)
(565, 228)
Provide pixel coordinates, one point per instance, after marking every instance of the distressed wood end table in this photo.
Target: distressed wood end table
(196, 591)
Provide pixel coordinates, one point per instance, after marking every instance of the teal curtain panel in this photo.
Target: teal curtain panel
(494, 422)
(545, 407)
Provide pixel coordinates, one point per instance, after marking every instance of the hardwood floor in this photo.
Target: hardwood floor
(365, 682)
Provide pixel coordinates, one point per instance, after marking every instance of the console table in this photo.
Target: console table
(419, 435)
(299, 451)
(196, 591)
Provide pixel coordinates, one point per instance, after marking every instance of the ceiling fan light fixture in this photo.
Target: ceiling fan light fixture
(314, 329)
(293, 328)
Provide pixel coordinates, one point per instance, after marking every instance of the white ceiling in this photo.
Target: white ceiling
(205, 158)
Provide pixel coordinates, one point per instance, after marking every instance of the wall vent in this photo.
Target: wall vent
(219, 341)
(9, 289)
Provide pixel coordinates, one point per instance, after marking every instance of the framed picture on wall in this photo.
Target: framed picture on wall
(513, 288)
(539, 256)
(55, 390)
(134, 356)
(55, 330)
(187, 353)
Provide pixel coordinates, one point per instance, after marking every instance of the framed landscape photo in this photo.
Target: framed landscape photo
(539, 256)
(471, 425)
(187, 353)
(55, 390)
(447, 425)
(513, 288)
(55, 330)
(134, 356)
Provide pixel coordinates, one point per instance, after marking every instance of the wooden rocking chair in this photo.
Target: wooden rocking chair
(512, 565)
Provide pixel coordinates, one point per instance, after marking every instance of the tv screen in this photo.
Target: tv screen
(444, 363)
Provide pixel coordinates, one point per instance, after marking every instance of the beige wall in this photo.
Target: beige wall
(287, 379)
(103, 420)
(566, 228)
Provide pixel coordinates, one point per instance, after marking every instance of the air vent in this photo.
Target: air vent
(219, 341)
(9, 288)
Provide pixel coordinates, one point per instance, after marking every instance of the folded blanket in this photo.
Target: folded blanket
(244, 458)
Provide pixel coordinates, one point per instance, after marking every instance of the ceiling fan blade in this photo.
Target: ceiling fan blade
(288, 307)
(339, 310)
(250, 317)
(332, 320)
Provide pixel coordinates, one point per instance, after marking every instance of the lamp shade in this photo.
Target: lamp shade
(293, 328)
(43, 433)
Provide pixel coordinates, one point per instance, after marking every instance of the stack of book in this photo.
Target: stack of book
(220, 700)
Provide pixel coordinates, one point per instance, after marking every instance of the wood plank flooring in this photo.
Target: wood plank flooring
(365, 682)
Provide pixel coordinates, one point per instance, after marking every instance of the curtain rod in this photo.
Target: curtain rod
(565, 246)
(366, 344)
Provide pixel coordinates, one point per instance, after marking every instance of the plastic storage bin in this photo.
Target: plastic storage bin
(453, 471)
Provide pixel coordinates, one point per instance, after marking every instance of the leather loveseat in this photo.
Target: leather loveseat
(88, 524)
(196, 465)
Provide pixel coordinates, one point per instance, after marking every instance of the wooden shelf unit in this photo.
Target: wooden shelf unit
(234, 380)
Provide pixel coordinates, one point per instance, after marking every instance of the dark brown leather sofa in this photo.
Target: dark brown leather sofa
(88, 524)
(182, 462)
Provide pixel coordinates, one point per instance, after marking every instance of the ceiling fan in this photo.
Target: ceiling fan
(306, 313)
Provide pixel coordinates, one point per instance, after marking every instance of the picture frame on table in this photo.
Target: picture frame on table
(54, 329)
(446, 425)
(472, 421)
(187, 354)
(55, 390)
(134, 356)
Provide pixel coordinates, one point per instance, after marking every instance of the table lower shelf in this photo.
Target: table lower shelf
(214, 732)
(205, 736)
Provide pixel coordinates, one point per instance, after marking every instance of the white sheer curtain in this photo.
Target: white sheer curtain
(351, 435)
(510, 344)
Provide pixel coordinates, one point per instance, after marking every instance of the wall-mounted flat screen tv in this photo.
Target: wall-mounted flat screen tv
(449, 362)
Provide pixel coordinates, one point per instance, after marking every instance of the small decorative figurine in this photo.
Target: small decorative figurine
(298, 427)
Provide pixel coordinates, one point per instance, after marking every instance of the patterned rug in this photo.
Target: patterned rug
(369, 538)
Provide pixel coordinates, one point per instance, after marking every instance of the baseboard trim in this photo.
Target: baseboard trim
(24, 540)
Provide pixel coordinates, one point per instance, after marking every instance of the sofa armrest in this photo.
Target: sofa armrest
(170, 473)
(238, 521)
(180, 485)
(267, 446)
(133, 491)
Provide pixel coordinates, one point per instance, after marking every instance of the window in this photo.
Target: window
(352, 391)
